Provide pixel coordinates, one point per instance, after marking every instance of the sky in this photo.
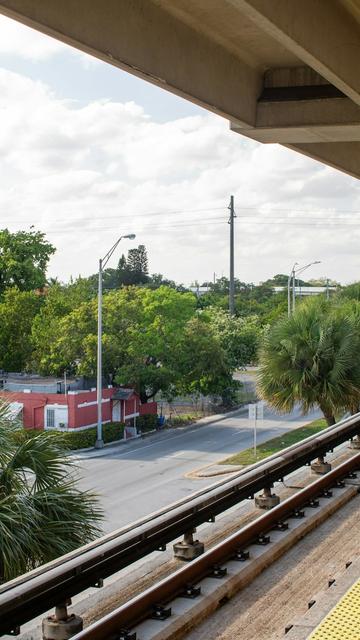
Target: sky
(89, 153)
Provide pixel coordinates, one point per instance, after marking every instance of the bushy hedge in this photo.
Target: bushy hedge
(146, 423)
(112, 431)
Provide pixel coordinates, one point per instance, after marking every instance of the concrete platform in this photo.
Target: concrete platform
(186, 614)
(335, 612)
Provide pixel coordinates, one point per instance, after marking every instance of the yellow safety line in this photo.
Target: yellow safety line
(343, 621)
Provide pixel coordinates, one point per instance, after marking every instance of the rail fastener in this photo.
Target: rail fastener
(28, 596)
(139, 608)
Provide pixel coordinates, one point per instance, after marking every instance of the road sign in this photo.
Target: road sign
(260, 411)
(252, 411)
(256, 411)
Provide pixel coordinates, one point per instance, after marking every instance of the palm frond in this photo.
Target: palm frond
(42, 512)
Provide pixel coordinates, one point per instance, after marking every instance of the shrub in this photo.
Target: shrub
(112, 431)
(147, 422)
(181, 420)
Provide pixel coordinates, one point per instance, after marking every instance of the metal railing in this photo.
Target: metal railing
(142, 605)
(30, 595)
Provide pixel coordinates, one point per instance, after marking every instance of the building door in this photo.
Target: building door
(116, 412)
(39, 418)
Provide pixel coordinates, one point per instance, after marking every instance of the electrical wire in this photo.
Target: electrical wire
(320, 215)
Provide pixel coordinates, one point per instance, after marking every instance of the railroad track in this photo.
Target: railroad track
(288, 523)
(28, 596)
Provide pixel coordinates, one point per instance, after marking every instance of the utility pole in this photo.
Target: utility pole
(231, 281)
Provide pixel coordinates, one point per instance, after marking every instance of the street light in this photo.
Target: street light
(288, 289)
(99, 443)
(294, 272)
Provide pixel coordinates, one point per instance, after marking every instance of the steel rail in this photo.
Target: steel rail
(30, 595)
(142, 606)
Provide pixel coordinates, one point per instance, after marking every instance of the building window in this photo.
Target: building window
(50, 418)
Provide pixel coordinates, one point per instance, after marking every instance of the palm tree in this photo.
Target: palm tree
(42, 513)
(312, 358)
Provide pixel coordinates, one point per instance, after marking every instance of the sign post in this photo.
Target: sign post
(256, 412)
(252, 416)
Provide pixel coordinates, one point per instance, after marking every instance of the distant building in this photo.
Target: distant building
(200, 291)
(306, 291)
(41, 403)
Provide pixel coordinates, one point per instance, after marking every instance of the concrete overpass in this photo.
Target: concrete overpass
(284, 71)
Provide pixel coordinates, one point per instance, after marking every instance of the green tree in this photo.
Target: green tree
(350, 292)
(239, 337)
(60, 300)
(43, 514)
(24, 257)
(281, 280)
(141, 331)
(137, 265)
(18, 310)
(150, 339)
(203, 367)
(312, 358)
(154, 340)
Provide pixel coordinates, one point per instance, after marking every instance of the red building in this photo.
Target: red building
(76, 409)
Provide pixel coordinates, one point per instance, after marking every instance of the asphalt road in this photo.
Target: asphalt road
(138, 478)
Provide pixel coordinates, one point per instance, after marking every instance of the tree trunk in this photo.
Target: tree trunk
(329, 417)
(143, 397)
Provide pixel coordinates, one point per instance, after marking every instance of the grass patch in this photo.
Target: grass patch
(275, 445)
(182, 419)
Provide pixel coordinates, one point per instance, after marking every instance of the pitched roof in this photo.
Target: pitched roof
(123, 394)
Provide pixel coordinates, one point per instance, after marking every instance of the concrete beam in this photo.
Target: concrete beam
(344, 156)
(319, 32)
(142, 38)
(308, 121)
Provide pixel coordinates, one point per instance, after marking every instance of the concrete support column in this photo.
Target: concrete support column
(355, 443)
(188, 548)
(61, 625)
(267, 500)
(320, 466)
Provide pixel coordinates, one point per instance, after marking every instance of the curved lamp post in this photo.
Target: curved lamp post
(99, 443)
(294, 272)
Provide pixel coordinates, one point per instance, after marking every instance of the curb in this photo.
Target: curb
(166, 432)
(218, 470)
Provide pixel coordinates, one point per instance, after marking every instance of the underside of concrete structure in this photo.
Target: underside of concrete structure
(283, 71)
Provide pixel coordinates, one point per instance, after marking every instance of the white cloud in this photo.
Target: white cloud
(85, 174)
(20, 41)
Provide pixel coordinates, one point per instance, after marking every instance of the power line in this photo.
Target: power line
(300, 210)
(322, 214)
(212, 222)
(318, 224)
(129, 216)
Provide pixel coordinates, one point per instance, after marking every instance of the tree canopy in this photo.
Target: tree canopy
(18, 310)
(312, 358)
(43, 514)
(150, 337)
(24, 256)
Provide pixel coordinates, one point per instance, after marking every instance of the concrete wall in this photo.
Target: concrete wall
(150, 408)
(81, 406)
